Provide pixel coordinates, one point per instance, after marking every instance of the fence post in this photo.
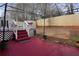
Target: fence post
(4, 21)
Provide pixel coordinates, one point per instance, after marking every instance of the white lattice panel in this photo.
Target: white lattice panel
(8, 35)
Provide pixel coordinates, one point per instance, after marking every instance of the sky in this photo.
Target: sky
(1, 9)
(60, 5)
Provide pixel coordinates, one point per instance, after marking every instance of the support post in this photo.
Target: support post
(4, 22)
(3, 44)
(44, 35)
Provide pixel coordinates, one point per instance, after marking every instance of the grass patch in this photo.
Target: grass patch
(75, 38)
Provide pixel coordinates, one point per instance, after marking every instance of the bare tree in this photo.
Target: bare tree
(71, 8)
(36, 10)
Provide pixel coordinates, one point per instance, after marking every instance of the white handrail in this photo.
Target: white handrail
(15, 28)
(26, 22)
(27, 27)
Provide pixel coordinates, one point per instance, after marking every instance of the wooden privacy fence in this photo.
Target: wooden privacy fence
(61, 27)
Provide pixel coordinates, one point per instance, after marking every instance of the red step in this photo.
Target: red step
(24, 32)
(24, 38)
(19, 33)
(21, 30)
(22, 35)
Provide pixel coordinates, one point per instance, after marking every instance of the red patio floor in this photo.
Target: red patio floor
(37, 47)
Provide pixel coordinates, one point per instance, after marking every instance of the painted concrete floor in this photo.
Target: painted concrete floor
(37, 47)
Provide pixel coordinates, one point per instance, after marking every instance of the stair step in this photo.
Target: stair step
(24, 35)
(21, 30)
(24, 38)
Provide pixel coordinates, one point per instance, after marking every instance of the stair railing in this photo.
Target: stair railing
(15, 28)
(27, 27)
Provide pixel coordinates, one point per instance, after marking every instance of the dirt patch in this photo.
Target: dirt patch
(58, 40)
(59, 34)
(63, 32)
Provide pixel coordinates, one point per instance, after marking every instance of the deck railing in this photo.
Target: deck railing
(19, 26)
(15, 28)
